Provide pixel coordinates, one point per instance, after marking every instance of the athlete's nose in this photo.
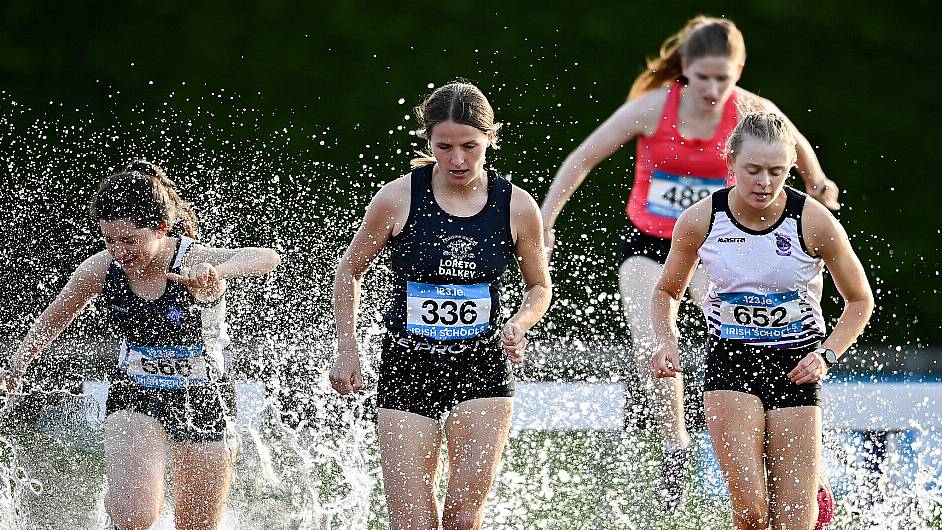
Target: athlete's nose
(713, 89)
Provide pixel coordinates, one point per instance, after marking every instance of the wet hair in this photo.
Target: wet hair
(767, 127)
(144, 195)
(460, 102)
(701, 37)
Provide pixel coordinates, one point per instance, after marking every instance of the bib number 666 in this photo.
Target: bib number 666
(168, 367)
(449, 312)
(760, 316)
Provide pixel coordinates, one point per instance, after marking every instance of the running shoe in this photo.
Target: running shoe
(825, 504)
(672, 481)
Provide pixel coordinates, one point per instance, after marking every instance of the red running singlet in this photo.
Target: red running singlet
(673, 172)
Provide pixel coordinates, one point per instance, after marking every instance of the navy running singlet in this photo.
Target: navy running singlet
(171, 342)
(448, 269)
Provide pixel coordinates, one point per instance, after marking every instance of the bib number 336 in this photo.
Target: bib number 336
(447, 312)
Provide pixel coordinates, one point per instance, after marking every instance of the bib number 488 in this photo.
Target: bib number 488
(449, 312)
(686, 198)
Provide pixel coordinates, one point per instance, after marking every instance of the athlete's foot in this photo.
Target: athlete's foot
(825, 504)
(672, 481)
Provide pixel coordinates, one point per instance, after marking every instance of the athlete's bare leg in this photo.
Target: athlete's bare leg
(476, 431)
(409, 446)
(135, 462)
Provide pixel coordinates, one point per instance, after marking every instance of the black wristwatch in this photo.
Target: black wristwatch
(830, 358)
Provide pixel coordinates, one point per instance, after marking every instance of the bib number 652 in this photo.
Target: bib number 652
(760, 316)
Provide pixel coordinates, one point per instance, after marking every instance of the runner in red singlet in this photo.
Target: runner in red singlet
(681, 109)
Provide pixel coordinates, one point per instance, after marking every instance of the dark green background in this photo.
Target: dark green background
(279, 119)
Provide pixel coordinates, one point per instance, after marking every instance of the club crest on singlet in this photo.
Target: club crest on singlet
(457, 257)
(783, 245)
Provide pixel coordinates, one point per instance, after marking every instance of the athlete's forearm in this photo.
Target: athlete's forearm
(808, 166)
(664, 308)
(346, 305)
(250, 261)
(853, 319)
(47, 328)
(570, 175)
(533, 307)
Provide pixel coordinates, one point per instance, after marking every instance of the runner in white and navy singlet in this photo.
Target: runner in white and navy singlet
(779, 303)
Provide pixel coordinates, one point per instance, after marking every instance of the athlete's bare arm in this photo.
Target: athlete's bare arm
(825, 236)
(689, 234)
(816, 182)
(636, 117)
(526, 228)
(385, 217)
(84, 284)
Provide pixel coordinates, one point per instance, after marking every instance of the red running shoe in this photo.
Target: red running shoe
(825, 504)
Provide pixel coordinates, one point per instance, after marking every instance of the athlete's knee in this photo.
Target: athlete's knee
(467, 517)
(130, 514)
(750, 513)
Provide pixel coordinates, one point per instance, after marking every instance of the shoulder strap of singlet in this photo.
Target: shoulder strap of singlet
(794, 204)
(500, 192)
(182, 247)
(720, 200)
(421, 189)
(668, 120)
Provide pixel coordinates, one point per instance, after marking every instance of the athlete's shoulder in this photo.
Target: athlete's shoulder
(648, 108)
(695, 221)
(394, 194)
(521, 202)
(92, 272)
(747, 101)
(819, 226)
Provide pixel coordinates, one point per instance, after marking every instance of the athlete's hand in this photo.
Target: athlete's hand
(514, 341)
(345, 376)
(666, 361)
(811, 369)
(10, 384)
(199, 276)
(827, 193)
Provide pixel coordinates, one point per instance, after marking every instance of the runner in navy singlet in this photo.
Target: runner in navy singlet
(452, 228)
(170, 391)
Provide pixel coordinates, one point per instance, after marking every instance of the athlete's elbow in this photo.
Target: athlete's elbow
(272, 258)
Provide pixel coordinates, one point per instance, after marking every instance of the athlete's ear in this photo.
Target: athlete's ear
(163, 229)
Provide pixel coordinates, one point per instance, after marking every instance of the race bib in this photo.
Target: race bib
(669, 195)
(167, 367)
(759, 316)
(447, 312)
